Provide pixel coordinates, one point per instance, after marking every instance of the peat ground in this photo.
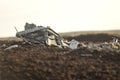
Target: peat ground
(38, 62)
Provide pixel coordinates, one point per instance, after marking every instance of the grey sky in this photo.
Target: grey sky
(61, 15)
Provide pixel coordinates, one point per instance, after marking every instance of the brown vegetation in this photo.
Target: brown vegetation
(38, 62)
(93, 37)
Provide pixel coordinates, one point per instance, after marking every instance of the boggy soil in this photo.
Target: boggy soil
(38, 62)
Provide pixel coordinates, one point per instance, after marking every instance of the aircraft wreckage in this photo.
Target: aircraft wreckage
(40, 34)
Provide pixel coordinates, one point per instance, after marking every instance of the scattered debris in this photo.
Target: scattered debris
(73, 44)
(4, 45)
(115, 40)
(10, 47)
(106, 46)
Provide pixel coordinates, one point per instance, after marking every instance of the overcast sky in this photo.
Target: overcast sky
(60, 15)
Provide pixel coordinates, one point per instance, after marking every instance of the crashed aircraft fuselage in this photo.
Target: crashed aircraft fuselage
(40, 34)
